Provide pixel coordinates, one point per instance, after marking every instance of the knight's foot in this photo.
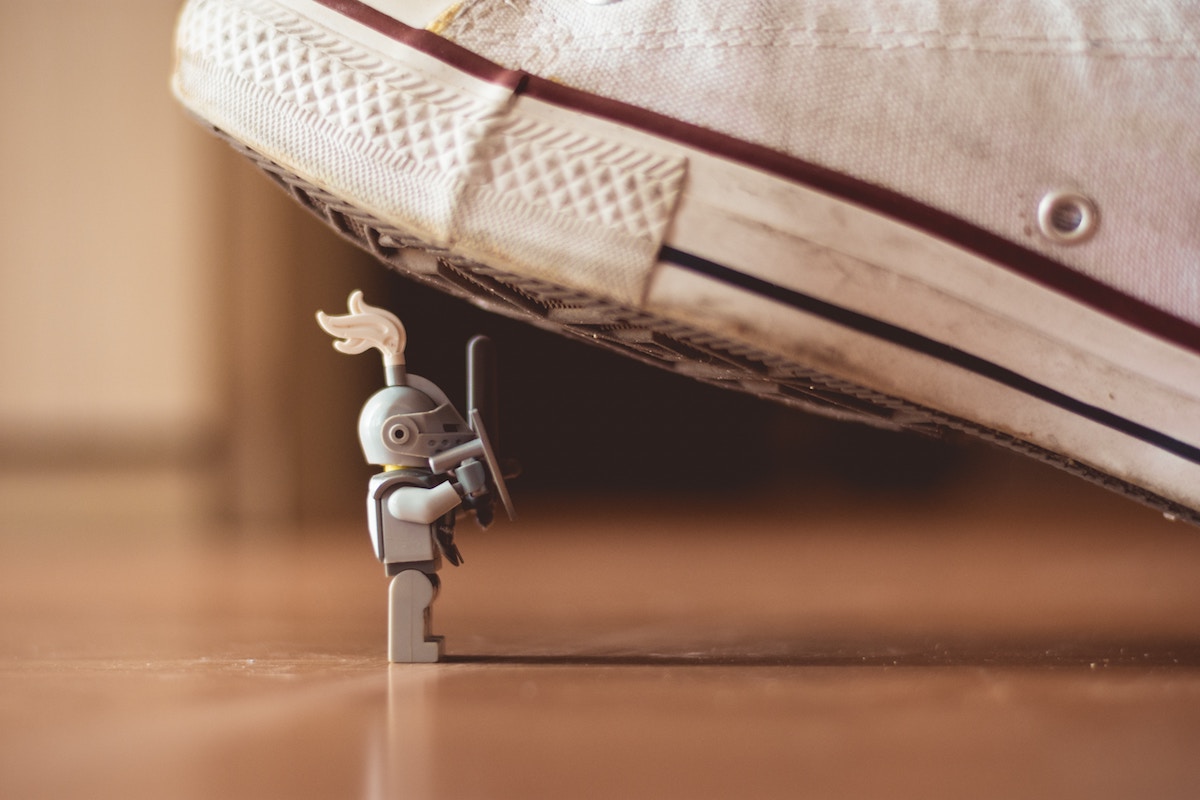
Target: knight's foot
(985, 220)
(409, 639)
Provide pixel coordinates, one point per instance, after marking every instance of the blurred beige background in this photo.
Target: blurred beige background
(148, 289)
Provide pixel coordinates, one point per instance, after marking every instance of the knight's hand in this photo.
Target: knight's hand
(483, 506)
(471, 477)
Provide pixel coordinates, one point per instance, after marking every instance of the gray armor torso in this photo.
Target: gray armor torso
(412, 544)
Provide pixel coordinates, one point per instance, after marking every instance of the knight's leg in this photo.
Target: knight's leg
(409, 640)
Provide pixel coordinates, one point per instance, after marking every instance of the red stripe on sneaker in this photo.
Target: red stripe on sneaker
(1006, 253)
(428, 43)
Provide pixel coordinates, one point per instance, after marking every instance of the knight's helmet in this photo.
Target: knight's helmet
(408, 420)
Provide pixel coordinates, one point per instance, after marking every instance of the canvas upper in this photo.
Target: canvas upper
(979, 109)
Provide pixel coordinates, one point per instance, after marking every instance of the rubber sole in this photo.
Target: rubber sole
(662, 343)
(694, 252)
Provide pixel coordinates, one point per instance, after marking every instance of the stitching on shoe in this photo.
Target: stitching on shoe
(631, 40)
(631, 32)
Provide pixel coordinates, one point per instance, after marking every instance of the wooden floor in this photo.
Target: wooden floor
(991, 641)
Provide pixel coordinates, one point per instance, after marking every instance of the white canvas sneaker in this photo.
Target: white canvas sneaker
(977, 215)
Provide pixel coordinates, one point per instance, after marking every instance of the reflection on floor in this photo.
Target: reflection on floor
(995, 641)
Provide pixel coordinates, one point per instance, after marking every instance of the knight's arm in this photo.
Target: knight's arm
(414, 504)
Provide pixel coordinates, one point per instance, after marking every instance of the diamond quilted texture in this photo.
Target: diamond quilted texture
(621, 188)
(447, 165)
(387, 108)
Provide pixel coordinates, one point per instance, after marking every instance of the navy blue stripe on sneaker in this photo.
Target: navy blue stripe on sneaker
(929, 347)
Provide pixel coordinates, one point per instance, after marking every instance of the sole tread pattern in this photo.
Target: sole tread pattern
(658, 341)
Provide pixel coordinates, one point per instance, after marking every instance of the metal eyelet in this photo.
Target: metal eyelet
(1067, 217)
